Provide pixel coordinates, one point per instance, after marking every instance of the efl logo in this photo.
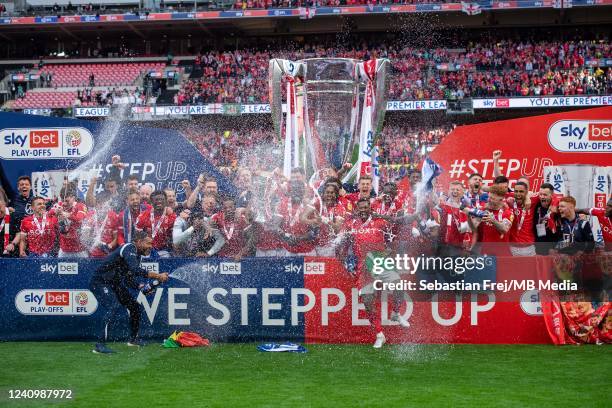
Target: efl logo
(581, 136)
(44, 138)
(57, 298)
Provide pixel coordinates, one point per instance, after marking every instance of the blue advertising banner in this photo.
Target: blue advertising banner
(255, 299)
(161, 157)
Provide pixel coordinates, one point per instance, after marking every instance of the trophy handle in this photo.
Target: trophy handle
(275, 75)
(381, 94)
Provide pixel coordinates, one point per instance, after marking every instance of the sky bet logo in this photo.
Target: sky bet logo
(56, 302)
(54, 143)
(62, 268)
(38, 139)
(581, 136)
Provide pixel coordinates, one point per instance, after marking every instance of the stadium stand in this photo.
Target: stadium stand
(71, 75)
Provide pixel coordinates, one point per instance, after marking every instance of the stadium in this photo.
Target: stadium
(305, 203)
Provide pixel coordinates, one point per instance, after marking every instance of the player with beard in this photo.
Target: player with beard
(131, 185)
(298, 237)
(366, 236)
(328, 216)
(204, 186)
(453, 228)
(158, 222)
(70, 215)
(128, 217)
(114, 279)
(604, 216)
(492, 230)
(522, 239)
(389, 203)
(237, 230)
(38, 231)
(544, 219)
(475, 197)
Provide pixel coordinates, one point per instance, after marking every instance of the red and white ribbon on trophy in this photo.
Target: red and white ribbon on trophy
(291, 151)
(368, 156)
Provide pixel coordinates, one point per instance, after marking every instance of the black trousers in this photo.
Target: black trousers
(107, 295)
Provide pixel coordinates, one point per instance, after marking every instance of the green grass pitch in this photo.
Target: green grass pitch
(237, 375)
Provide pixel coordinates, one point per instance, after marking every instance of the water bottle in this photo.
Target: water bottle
(150, 287)
(475, 212)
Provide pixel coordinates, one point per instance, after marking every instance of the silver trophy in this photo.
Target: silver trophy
(326, 109)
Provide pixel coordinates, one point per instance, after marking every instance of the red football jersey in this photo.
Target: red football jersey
(159, 228)
(604, 222)
(329, 216)
(369, 235)
(382, 208)
(70, 241)
(354, 197)
(233, 232)
(450, 225)
(40, 233)
(493, 242)
(521, 232)
(292, 225)
(104, 228)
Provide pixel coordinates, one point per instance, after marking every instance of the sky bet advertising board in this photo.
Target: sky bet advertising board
(528, 145)
(301, 299)
(31, 144)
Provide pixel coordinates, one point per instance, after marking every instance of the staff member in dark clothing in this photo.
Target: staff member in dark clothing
(114, 279)
(545, 236)
(21, 206)
(576, 234)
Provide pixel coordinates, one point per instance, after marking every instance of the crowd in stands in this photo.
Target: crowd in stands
(184, 5)
(400, 147)
(503, 68)
(109, 97)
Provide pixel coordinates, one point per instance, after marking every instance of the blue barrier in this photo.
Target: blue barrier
(255, 299)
